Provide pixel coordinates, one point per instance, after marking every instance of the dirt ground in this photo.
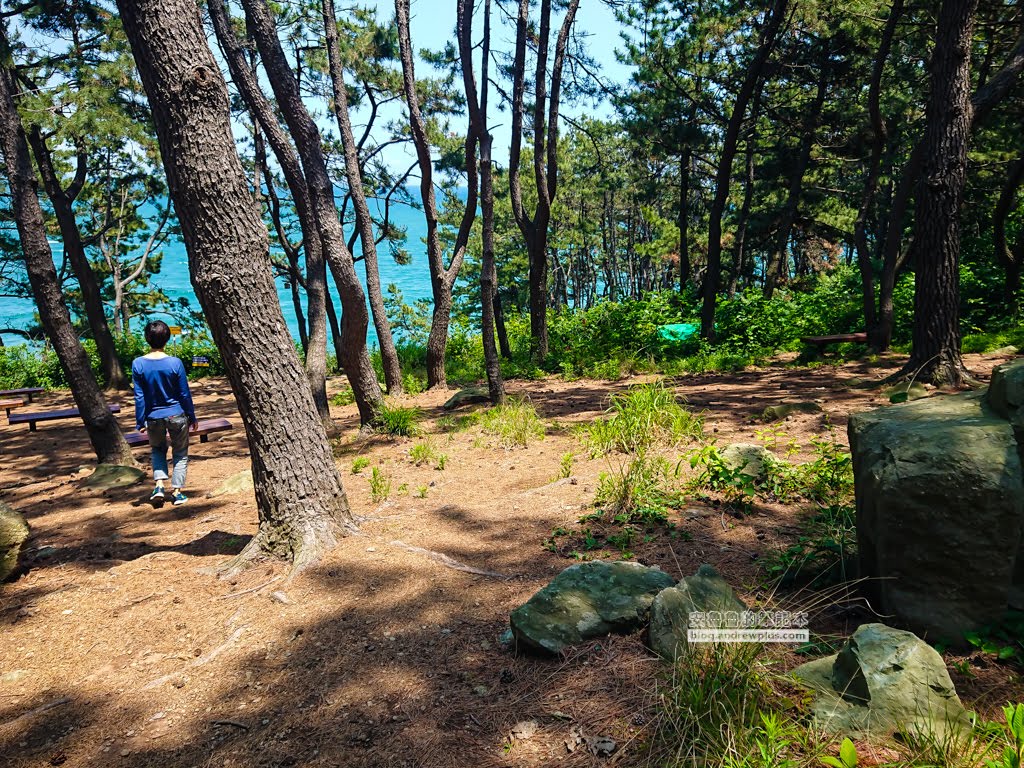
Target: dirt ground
(121, 647)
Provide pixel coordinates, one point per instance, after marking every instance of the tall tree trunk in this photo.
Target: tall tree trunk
(104, 433)
(302, 504)
(545, 152)
(683, 218)
(478, 127)
(364, 222)
(355, 318)
(778, 269)
(442, 278)
(740, 254)
(713, 274)
(935, 355)
(1010, 257)
(879, 135)
(245, 79)
(62, 201)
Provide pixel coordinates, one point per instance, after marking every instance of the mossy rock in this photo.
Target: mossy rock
(586, 601)
(905, 391)
(883, 682)
(13, 535)
(468, 396)
(109, 476)
(782, 410)
(240, 482)
(1006, 392)
(704, 592)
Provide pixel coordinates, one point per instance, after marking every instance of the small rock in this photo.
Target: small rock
(467, 396)
(481, 690)
(601, 746)
(239, 482)
(281, 597)
(524, 729)
(748, 459)
(782, 410)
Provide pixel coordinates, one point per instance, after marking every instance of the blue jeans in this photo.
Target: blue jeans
(158, 430)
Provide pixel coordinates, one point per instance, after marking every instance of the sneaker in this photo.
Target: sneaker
(178, 498)
(157, 497)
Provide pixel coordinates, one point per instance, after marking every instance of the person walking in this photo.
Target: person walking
(164, 409)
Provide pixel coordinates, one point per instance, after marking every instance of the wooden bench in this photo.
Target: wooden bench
(65, 413)
(823, 341)
(136, 439)
(14, 402)
(28, 392)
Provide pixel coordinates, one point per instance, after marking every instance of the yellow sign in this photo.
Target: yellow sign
(175, 330)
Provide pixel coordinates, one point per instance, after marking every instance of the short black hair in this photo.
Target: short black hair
(157, 334)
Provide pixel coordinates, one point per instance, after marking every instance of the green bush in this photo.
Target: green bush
(641, 417)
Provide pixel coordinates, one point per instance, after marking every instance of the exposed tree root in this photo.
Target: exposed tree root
(204, 659)
(448, 562)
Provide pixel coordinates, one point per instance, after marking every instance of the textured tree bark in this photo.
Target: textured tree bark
(315, 342)
(778, 268)
(364, 223)
(878, 138)
(739, 258)
(478, 127)
(713, 275)
(104, 433)
(935, 355)
(545, 152)
(442, 278)
(1010, 257)
(355, 317)
(62, 201)
(302, 504)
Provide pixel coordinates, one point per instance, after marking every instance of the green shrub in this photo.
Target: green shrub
(393, 419)
(345, 397)
(515, 423)
(380, 485)
(641, 489)
(645, 415)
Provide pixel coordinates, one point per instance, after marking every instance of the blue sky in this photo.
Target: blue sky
(433, 25)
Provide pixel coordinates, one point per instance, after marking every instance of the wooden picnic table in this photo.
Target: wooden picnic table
(64, 413)
(206, 427)
(14, 402)
(28, 392)
(822, 341)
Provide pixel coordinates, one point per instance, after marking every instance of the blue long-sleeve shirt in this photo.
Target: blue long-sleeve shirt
(161, 389)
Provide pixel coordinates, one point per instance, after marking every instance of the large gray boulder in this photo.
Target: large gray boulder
(704, 592)
(940, 501)
(586, 601)
(1006, 390)
(13, 534)
(883, 681)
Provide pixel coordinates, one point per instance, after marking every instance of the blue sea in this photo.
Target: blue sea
(413, 279)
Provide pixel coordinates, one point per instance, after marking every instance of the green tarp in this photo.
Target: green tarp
(678, 331)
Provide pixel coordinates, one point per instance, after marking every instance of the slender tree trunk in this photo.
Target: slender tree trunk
(478, 127)
(302, 504)
(62, 201)
(104, 433)
(778, 270)
(935, 355)
(442, 278)
(364, 222)
(683, 219)
(545, 152)
(878, 138)
(262, 112)
(1010, 257)
(355, 320)
(713, 274)
(740, 255)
